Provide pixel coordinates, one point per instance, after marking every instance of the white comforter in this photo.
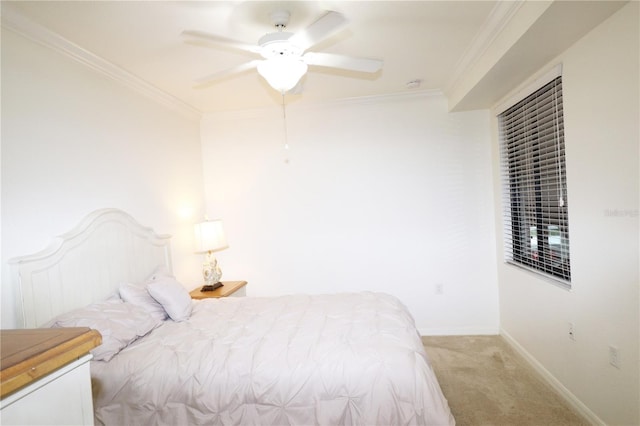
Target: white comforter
(299, 359)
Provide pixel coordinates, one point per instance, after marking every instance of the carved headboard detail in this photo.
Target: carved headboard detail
(87, 264)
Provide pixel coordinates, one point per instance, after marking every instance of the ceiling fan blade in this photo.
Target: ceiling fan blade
(222, 40)
(344, 62)
(327, 25)
(212, 78)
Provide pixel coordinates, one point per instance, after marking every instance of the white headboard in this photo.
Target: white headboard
(87, 264)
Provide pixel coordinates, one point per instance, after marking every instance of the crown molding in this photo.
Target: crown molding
(499, 17)
(18, 23)
(276, 109)
(406, 95)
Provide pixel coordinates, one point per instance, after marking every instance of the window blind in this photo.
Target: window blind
(535, 212)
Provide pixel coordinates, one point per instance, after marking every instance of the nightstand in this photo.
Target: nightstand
(229, 289)
(45, 376)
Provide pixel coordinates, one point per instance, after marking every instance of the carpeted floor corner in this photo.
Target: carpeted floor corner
(487, 383)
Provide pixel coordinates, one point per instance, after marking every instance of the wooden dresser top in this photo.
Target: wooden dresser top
(26, 355)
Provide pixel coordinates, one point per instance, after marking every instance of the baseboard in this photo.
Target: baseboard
(461, 331)
(571, 399)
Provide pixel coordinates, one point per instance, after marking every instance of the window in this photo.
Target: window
(536, 226)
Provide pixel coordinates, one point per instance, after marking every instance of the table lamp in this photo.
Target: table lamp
(209, 237)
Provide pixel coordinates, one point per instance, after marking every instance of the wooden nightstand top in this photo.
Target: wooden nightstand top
(227, 289)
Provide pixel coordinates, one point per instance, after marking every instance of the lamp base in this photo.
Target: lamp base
(211, 287)
(211, 271)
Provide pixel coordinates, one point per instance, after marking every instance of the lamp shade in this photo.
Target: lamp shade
(209, 236)
(282, 72)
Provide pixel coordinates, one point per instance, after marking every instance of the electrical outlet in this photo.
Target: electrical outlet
(572, 331)
(614, 356)
(439, 289)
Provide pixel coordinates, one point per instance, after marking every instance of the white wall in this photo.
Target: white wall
(387, 194)
(74, 141)
(601, 89)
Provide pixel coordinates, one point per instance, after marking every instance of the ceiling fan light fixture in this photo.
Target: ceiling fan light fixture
(286, 55)
(282, 73)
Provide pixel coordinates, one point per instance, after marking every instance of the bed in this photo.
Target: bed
(351, 358)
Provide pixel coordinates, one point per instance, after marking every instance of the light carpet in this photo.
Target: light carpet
(487, 383)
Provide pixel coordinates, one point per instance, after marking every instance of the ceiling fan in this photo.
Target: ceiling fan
(285, 55)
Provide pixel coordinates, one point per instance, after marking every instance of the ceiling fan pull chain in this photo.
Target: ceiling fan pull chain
(286, 136)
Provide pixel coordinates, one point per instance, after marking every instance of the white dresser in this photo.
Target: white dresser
(45, 376)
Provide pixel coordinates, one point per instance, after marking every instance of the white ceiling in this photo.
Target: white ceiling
(424, 40)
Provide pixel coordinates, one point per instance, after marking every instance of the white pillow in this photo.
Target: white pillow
(139, 295)
(120, 324)
(173, 297)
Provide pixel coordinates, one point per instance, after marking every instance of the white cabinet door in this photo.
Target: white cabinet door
(60, 398)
